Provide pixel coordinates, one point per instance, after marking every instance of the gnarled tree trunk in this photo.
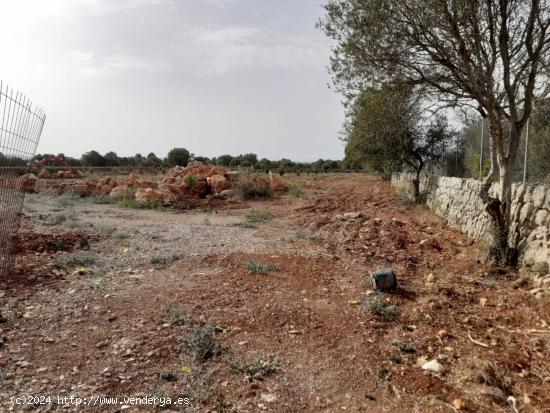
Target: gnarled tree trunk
(498, 205)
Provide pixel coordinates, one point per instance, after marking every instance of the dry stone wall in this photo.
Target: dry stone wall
(457, 200)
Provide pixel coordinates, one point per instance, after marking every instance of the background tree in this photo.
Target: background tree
(224, 160)
(178, 157)
(93, 158)
(111, 159)
(491, 55)
(388, 133)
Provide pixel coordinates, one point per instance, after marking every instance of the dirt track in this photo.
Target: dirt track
(122, 327)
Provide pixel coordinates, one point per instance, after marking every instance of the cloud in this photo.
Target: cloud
(223, 49)
(112, 65)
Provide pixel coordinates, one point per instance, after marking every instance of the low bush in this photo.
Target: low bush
(203, 344)
(257, 368)
(77, 259)
(295, 190)
(253, 187)
(378, 307)
(256, 267)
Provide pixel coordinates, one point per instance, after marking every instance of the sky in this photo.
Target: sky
(140, 76)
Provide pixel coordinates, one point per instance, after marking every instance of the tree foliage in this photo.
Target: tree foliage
(178, 157)
(388, 133)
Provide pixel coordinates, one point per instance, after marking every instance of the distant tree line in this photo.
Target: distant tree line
(181, 157)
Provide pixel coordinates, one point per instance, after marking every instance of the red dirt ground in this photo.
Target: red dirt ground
(332, 355)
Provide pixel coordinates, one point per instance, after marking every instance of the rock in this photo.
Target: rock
(218, 183)
(146, 184)
(459, 404)
(227, 193)
(132, 180)
(91, 183)
(28, 182)
(44, 174)
(79, 189)
(268, 397)
(233, 176)
(161, 196)
(122, 192)
(276, 183)
(384, 280)
(433, 366)
(352, 215)
(442, 333)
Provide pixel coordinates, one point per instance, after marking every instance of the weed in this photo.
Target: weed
(190, 181)
(111, 231)
(177, 317)
(168, 376)
(245, 224)
(77, 259)
(404, 347)
(68, 199)
(384, 375)
(378, 307)
(295, 190)
(203, 344)
(163, 261)
(60, 245)
(316, 238)
(492, 374)
(55, 219)
(95, 285)
(256, 267)
(257, 368)
(256, 215)
(396, 358)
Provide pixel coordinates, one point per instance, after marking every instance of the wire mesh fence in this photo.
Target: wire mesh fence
(20, 129)
(471, 159)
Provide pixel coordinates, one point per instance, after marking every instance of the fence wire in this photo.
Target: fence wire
(20, 129)
(472, 159)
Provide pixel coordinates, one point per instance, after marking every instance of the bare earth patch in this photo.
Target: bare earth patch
(246, 314)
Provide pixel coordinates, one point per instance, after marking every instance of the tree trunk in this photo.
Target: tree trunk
(499, 207)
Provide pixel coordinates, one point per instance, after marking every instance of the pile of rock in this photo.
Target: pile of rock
(70, 174)
(196, 180)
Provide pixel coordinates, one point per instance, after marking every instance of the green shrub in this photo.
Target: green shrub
(190, 181)
(256, 368)
(256, 267)
(77, 259)
(295, 190)
(203, 344)
(253, 187)
(378, 307)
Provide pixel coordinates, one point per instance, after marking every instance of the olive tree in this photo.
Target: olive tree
(491, 55)
(388, 133)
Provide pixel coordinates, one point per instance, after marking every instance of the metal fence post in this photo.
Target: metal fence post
(525, 156)
(481, 150)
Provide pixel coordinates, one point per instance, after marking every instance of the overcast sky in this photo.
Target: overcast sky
(140, 76)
